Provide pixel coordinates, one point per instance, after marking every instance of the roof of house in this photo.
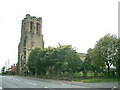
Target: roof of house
(82, 54)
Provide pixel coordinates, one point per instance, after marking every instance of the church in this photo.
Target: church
(31, 37)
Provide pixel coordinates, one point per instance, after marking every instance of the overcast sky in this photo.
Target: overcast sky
(76, 22)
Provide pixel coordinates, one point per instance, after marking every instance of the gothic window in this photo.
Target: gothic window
(31, 26)
(38, 26)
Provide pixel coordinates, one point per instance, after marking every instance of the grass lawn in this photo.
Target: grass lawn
(89, 79)
(93, 80)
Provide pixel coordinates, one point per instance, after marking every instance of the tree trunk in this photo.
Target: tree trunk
(85, 74)
(96, 74)
(70, 76)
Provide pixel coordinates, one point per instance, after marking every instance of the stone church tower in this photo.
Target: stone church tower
(31, 37)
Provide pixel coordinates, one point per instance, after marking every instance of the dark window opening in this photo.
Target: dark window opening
(24, 42)
(24, 54)
(31, 26)
(24, 48)
(38, 26)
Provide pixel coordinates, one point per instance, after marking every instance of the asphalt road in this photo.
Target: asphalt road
(29, 82)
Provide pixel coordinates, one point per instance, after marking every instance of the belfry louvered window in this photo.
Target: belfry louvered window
(37, 27)
(31, 26)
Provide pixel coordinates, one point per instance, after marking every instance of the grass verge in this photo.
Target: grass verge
(97, 80)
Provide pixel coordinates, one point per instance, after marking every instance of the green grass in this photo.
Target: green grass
(90, 74)
(75, 75)
(93, 80)
(78, 74)
(79, 77)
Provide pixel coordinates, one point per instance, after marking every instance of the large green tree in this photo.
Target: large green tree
(63, 58)
(87, 63)
(105, 51)
(32, 59)
(68, 60)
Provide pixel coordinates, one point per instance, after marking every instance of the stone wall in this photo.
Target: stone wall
(31, 37)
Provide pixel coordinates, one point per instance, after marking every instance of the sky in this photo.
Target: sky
(79, 23)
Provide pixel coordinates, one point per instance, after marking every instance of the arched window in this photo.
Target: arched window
(37, 27)
(31, 26)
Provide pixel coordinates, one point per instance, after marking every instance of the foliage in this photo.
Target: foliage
(32, 60)
(64, 59)
(107, 50)
(104, 54)
(3, 70)
(54, 60)
(97, 80)
(86, 65)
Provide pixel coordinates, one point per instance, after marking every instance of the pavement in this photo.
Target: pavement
(31, 82)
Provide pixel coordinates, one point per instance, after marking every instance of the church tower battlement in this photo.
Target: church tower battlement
(31, 37)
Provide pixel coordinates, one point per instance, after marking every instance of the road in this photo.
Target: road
(29, 82)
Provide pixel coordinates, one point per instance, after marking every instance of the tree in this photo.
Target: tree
(106, 51)
(54, 60)
(40, 63)
(87, 63)
(45, 61)
(32, 60)
(69, 60)
(3, 70)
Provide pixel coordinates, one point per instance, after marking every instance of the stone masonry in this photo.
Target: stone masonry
(31, 37)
